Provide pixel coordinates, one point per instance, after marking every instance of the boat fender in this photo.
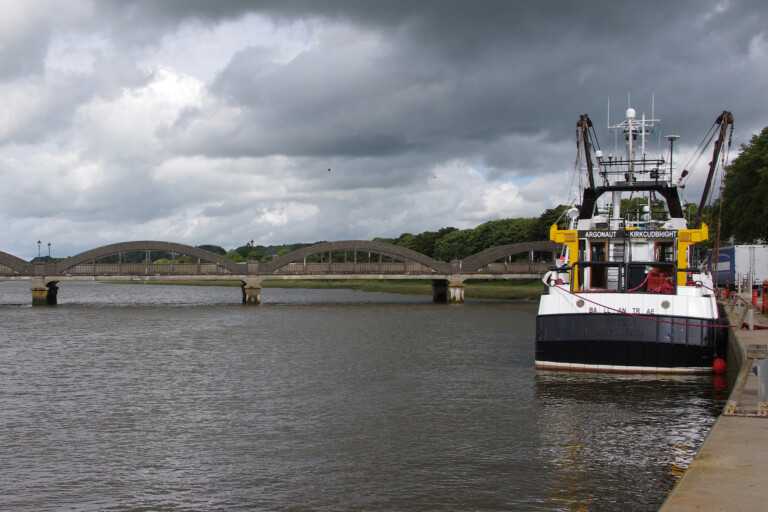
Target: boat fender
(719, 365)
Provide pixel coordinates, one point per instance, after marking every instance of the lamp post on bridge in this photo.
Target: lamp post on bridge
(38, 248)
(49, 250)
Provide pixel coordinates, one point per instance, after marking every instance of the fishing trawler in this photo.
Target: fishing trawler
(627, 296)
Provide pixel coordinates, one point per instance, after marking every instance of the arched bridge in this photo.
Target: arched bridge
(351, 259)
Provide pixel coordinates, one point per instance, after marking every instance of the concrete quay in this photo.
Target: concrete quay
(730, 470)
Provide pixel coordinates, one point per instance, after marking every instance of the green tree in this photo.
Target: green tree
(551, 215)
(522, 230)
(690, 210)
(745, 189)
(487, 235)
(254, 255)
(634, 209)
(235, 256)
(215, 249)
(456, 244)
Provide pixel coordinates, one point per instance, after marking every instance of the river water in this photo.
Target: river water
(176, 398)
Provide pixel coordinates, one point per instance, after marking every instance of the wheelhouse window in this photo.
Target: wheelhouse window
(651, 277)
(665, 251)
(635, 277)
(598, 274)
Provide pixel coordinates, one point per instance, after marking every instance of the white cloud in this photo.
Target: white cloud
(203, 50)
(126, 127)
(217, 123)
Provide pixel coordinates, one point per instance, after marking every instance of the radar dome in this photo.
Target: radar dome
(631, 113)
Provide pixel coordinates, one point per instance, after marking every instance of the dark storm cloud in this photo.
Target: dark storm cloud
(454, 73)
(217, 122)
(453, 77)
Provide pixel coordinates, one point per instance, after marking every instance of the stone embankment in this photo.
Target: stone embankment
(729, 472)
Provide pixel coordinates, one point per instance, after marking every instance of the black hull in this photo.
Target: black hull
(623, 343)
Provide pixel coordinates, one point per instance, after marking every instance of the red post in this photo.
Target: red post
(765, 304)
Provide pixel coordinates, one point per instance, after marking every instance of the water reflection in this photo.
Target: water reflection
(629, 433)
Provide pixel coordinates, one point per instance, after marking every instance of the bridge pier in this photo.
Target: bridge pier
(44, 294)
(251, 292)
(439, 291)
(456, 293)
(444, 291)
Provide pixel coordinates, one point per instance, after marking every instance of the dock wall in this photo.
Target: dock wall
(729, 470)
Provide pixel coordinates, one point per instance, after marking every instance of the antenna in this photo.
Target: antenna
(609, 114)
(653, 107)
(671, 138)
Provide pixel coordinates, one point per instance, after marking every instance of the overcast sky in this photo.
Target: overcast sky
(297, 121)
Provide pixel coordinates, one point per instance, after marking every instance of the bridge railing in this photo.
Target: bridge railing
(353, 268)
(298, 268)
(516, 268)
(148, 269)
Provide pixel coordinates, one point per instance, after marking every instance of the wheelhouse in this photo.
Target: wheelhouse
(627, 260)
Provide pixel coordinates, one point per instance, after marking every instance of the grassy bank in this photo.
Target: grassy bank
(502, 290)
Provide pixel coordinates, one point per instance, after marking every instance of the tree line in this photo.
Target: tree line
(442, 245)
(742, 209)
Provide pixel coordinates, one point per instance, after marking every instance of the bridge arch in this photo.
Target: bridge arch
(385, 249)
(481, 259)
(109, 250)
(14, 262)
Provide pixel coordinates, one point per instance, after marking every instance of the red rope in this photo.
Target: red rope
(659, 320)
(717, 292)
(664, 288)
(641, 284)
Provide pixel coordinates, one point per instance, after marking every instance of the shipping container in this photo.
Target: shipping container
(735, 262)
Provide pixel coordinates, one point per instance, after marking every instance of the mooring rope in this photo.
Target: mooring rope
(659, 320)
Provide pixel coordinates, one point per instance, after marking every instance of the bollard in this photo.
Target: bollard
(758, 353)
(755, 361)
(754, 298)
(762, 386)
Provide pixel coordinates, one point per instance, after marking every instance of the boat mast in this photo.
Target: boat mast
(725, 119)
(585, 123)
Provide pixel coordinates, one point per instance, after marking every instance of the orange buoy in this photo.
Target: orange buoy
(719, 365)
